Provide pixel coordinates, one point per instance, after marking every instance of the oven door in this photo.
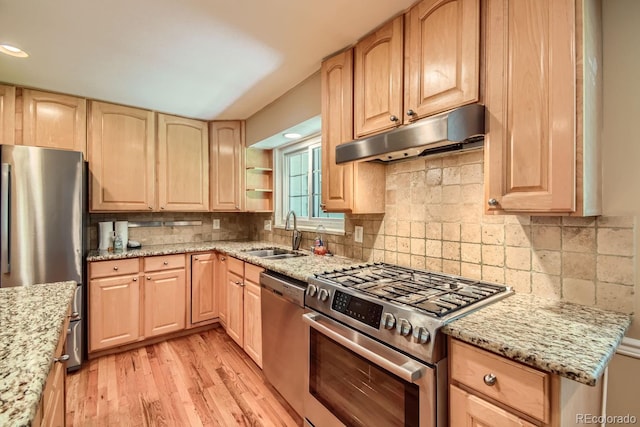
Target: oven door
(353, 380)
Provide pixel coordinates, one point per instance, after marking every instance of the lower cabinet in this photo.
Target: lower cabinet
(221, 280)
(487, 389)
(52, 410)
(204, 288)
(244, 319)
(121, 311)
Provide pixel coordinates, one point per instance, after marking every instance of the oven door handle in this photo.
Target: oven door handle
(376, 353)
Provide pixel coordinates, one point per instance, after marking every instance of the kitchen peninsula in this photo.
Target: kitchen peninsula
(32, 320)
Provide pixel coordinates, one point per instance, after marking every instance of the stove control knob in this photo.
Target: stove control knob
(312, 290)
(403, 327)
(388, 321)
(323, 295)
(421, 335)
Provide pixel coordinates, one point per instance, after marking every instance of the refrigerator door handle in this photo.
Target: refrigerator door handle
(5, 218)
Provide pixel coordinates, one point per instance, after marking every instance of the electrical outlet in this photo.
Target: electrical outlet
(267, 224)
(216, 224)
(357, 234)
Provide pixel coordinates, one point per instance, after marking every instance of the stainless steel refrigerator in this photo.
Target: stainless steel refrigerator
(42, 225)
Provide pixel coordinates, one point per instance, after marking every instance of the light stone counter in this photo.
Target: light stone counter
(31, 320)
(299, 267)
(571, 340)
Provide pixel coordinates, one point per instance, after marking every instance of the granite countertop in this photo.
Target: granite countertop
(298, 268)
(31, 320)
(571, 340)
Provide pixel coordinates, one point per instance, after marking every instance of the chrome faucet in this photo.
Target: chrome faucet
(297, 235)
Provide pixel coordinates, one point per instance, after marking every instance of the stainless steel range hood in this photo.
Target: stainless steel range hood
(456, 130)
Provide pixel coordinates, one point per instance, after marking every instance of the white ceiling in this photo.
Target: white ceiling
(206, 59)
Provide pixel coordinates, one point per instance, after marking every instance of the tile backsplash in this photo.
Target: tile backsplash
(435, 220)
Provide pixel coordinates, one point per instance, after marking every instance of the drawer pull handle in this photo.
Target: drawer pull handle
(115, 268)
(62, 358)
(490, 379)
(166, 263)
(135, 279)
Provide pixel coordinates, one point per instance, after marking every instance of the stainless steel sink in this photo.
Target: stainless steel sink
(274, 253)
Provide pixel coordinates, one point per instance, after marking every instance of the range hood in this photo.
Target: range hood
(456, 130)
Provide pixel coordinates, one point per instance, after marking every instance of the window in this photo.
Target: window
(299, 186)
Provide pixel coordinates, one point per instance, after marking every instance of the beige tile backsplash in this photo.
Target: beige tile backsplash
(435, 220)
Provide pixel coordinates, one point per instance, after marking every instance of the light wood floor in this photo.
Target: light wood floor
(202, 379)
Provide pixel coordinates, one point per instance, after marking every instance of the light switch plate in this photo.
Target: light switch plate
(216, 224)
(357, 234)
(267, 224)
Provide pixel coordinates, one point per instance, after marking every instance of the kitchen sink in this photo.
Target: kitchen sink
(273, 253)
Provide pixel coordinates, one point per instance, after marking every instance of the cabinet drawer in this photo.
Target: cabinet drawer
(520, 387)
(236, 266)
(114, 267)
(164, 262)
(252, 273)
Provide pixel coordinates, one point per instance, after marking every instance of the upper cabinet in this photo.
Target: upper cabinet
(121, 151)
(377, 83)
(227, 165)
(258, 180)
(442, 56)
(183, 164)
(543, 104)
(7, 114)
(52, 120)
(347, 187)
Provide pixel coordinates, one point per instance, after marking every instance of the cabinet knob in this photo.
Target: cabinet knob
(115, 268)
(393, 118)
(161, 207)
(492, 202)
(196, 258)
(490, 379)
(411, 113)
(150, 207)
(237, 207)
(62, 358)
(223, 259)
(148, 277)
(135, 279)
(166, 263)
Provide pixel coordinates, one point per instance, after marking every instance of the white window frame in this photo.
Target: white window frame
(331, 225)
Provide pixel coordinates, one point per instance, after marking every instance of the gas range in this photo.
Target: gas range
(401, 307)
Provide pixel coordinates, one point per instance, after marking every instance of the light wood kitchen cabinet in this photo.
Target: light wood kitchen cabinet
(258, 180)
(52, 409)
(164, 302)
(52, 120)
(253, 313)
(488, 389)
(543, 99)
(7, 114)
(377, 87)
(235, 307)
(221, 279)
(114, 307)
(442, 56)
(346, 187)
(227, 165)
(121, 152)
(183, 164)
(204, 289)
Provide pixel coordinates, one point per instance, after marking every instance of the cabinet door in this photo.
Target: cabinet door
(7, 114)
(235, 308)
(530, 163)
(164, 302)
(221, 285)
(253, 321)
(378, 79)
(336, 77)
(183, 164)
(53, 413)
(204, 293)
(52, 120)
(468, 410)
(121, 158)
(442, 47)
(227, 165)
(114, 311)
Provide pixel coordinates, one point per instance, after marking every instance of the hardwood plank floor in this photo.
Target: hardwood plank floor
(203, 379)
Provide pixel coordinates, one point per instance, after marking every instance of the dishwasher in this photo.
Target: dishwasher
(284, 355)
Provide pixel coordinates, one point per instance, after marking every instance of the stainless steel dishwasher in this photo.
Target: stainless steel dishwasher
(283, 336)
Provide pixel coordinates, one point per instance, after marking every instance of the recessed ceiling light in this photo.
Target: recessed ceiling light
(13, 51)
(292, 135)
